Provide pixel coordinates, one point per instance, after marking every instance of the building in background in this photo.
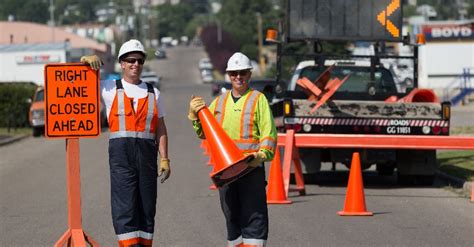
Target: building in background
(26, 47)
(25, 62)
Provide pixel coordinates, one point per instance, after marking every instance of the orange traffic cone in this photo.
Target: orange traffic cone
(229, 162)
(354, 204)
(276, 190)
(210, 162)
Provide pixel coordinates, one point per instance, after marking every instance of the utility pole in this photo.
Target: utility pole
(261, 60)
(51, 19)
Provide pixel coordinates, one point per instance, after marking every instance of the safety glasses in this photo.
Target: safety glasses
(132, 60)
(238, 72)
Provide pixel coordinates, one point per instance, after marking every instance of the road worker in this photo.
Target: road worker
(245, 116)
(137, 133)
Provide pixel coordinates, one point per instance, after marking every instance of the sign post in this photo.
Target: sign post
(72, 111)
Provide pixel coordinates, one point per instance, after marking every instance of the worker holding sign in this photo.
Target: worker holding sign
(137, 133)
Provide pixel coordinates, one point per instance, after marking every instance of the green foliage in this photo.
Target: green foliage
(79, 11)
(239, 18)
(409, 10)
(172, 19)
(194, 24)
(25, 10)
(457, 163)
(14, 104)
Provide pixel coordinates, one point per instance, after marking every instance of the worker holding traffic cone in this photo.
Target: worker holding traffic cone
(245, 116)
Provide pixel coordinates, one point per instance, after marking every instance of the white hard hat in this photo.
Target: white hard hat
(132, 45)
(238, 61)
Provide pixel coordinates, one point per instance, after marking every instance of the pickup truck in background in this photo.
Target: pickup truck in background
(36, 113)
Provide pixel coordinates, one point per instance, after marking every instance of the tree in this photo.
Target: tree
(26, 10)
(172, 19)
(238, 17)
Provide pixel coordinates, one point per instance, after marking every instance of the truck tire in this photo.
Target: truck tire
(416, 167)
(38, 131)
(310, 160)
(385, 169)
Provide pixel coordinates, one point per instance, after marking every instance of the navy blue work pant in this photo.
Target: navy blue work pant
(133, 177)
(244, 204)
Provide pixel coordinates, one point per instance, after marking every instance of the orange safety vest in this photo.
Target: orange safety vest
(247, 142)
(125, 122)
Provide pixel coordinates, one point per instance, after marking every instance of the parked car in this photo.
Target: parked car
(205, 63)
(36, 112)
(151, 77)
(269, 87)
(206, 76)
(160, 53)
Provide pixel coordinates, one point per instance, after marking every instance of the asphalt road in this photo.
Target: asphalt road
(33, 197)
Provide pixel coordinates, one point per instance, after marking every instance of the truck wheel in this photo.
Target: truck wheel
(416, 167)
(37, 131)
(310, 160)
(385, 169)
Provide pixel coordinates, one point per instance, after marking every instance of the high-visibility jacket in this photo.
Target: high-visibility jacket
(124, 121)
(248, 122)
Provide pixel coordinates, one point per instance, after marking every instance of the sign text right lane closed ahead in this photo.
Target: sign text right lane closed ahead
(72, 101)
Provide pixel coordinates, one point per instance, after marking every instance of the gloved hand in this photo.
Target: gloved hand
(259, 157)
(93, 60)
(164, 169)
(196, 104)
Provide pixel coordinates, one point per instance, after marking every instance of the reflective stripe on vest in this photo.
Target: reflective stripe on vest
(219, 111)
(246, 143)
(122, 132)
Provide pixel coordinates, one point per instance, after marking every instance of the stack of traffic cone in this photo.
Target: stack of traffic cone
(276, 190)
(354, 204)
(229, 162)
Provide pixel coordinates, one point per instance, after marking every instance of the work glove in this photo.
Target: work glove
(196, 104)
(93, 60)
(258, 158)
(164, 169)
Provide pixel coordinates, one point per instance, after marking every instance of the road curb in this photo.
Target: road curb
(465, 186)
(12, 139)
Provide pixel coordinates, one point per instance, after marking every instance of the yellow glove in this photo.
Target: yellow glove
(259, 157)
(93, 60)
(196, 104)
(164, 169)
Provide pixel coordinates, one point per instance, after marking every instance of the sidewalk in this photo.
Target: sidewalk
(4, 140)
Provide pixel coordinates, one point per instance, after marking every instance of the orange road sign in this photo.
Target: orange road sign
(72, 101)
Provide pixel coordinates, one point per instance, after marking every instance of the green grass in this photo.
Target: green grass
(469, 130)
(457, 163)
(14, 132)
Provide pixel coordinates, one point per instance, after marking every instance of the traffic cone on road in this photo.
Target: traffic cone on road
(354, 204)
(229, 162)
(276, 190)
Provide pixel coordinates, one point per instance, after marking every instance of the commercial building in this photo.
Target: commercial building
(26, 47)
